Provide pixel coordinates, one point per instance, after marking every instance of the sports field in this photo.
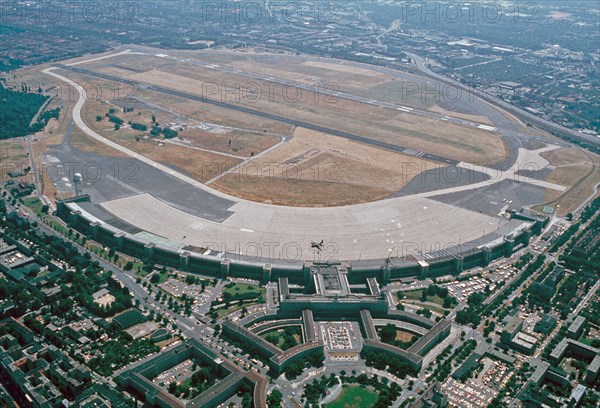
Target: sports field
(354, 397)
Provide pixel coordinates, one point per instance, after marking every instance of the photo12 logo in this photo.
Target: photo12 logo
(457, 12)
(271, 251)
(254, 12)
(270, 90)
(65, 12)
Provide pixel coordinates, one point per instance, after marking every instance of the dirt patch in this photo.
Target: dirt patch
(236, 142)
(576, 169)
(404, 335)
(13, 157)
(316, 169)
(105, 300)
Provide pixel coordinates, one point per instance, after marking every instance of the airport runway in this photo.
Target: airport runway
(278, 118)
(416, 224)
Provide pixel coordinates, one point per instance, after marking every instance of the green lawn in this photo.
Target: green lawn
(238, 295)
(57, 226)
(416, 295)
(224, 311)
(242, 288)
(354, 397)
(277, 337)
(34, 203)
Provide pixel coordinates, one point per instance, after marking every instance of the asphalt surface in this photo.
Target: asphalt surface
(489, 200)
(108, 178)
(278, 118)
(441, 178)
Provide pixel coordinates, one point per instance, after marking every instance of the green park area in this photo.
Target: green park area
(239, 291)
(237, 296)
(417, 295)
(35, 204)
(433, 294)
(286, 338)
(354, 396)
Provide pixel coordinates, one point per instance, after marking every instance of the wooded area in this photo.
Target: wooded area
(17, 109)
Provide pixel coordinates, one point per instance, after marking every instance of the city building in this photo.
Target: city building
(139, 377)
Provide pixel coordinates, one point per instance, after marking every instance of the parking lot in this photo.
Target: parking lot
(177, 373)
(494, 375)
(342, 340)
(491, 279)
(177, 288)
(467, 395)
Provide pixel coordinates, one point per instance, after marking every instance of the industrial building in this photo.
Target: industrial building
(511, 329)
(327, 291)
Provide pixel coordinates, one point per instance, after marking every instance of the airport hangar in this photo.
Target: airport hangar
(102, 226)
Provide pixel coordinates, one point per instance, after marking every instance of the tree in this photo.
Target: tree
(247, 401)
(173, 387)
(447, 302)
(316, 359)
(99, 118)
(18, 109)
(388, 333)
(274, 399)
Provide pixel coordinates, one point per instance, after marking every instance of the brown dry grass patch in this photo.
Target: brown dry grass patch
(13, 156)
(306, 193)
(316, 169)
(404, 335)
(431, 135)
(474, 118)
(243, 144)
(576, 169)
